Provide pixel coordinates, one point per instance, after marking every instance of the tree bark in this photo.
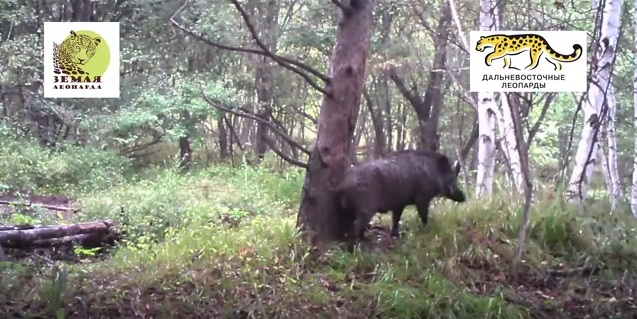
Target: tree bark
(319, 215)
(596, 104)
(610, 160)
(633, 192)
(82, 11)
(486, 114)
(264, 75)
(185, 152)
(509, 144)
(223, 137)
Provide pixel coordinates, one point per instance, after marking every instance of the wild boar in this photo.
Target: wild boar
(390, 183)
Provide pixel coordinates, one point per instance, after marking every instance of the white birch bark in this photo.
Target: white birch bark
(486, 113)
(610, 161)
(587, 147)
(509, 144)
(604, 166)
(633, 193)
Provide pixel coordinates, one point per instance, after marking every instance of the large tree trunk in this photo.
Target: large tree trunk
(486, 113)
(319, 214)
(596, 101)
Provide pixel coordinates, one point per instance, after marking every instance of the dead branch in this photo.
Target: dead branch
(216, 104)
(286, 158)
(579, 271)
(282, 61)
(277, 127)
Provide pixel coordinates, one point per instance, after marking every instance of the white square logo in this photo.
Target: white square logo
(81, 60)
(528, 61)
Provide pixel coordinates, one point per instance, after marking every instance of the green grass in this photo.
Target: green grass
(221, 243)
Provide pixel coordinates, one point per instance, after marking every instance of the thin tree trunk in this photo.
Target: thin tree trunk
(223, 137)
(633, 193)
(509, 145)
(264, 74)
(610, 162)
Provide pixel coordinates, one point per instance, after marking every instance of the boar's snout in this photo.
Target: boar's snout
(454, 193)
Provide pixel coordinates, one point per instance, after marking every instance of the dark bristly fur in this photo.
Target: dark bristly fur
(393, 182)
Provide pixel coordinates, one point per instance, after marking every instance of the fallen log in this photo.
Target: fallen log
(84, 240)
(92, 234)
(24, 227)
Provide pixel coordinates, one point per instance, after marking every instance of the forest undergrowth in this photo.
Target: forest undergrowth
(220, 243)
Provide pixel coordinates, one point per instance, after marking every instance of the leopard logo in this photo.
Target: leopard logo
(72, 53)
(506, 45)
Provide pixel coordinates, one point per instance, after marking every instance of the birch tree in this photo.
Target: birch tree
(487, 109)
(595, 101)
(610, 159)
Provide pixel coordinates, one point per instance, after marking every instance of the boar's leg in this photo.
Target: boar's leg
(361, 223)
(396, 214)
(422, 205)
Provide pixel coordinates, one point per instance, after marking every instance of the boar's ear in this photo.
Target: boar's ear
(456, 167)
(443, 163)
